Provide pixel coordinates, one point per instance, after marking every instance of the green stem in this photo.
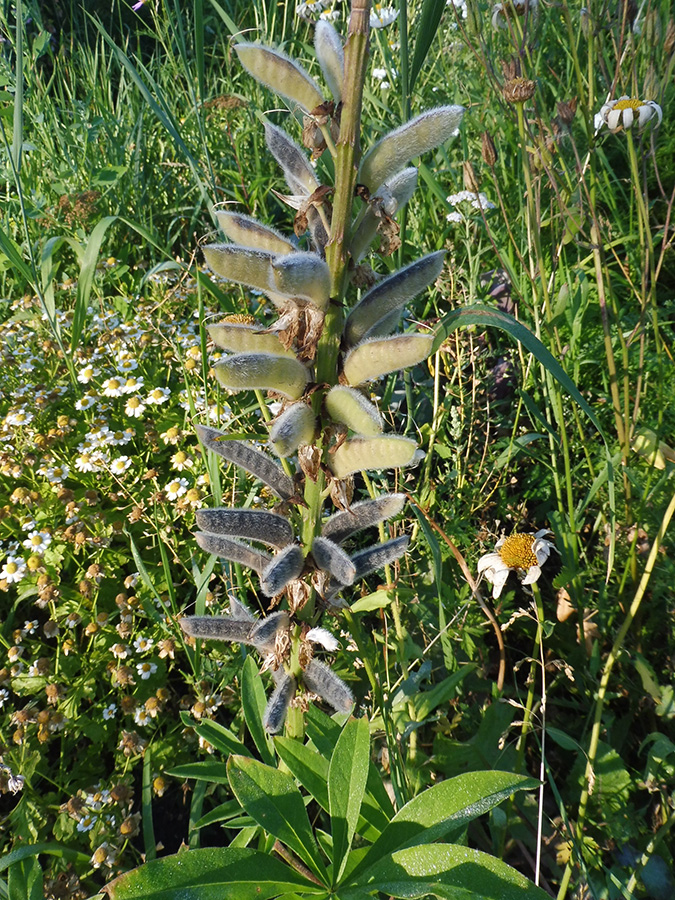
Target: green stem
(532, 679)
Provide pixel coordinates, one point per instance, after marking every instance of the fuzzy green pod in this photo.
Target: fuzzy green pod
(371, 559)
(238, 338)
(241, 264)
(303, 276)
(330, 557)
(251, 524)
(390, 295)
(264, 372)
(284, 567)
(294, 427)
(362, 454)
(249, 232)
(322, 680)
(365, 514)
(380, 356)
(329, 52)
(299, 174)
(264, 633)
(395, 150)
(233, 551)
(393, 195)
(217, 628)
(349, 407)
(277, 706)
(253, 461)
(280, 73)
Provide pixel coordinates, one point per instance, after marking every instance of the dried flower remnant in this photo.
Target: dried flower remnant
(501, 12)
(627, 112)
(517, 552)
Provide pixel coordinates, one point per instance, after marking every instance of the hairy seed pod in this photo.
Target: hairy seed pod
(362, 515)
(217, 628)
(364, 454)
(284, 567)
(322, 680)
(277, 705)
(237, 338)
(395, 150)
(297, 170)
(332, 558)
(379, 356)
(391, 294)
(280, 73)
(303, 276)
(252, 524)
(349, 407)
(241, 264)
(294, 427)
(331, 56)
(373, 558)
(389, 198)
(264, 632)
(239, 611)
(233, 551)
(263, 372)
(248, 232)
(253, 461)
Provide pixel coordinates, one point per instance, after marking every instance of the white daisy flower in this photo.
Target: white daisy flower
(134, 407)
(181, 460)
(520, 552)
(38, 541)
(176, 488)
(89, 462)
(13, 570)
(146, 669)
(19, 417)
(57, 474)
(120, 465)
(85, 402)
(310, 9)
(109, 712)
(86, 374)
(133, 384)
(626, 112)
(158, 396)
(142, 716)
(143, 644)
(381, 15)
(86, 823)
(113, 387)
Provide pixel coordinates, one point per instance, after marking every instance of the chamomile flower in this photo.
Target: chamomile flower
(118, 438)
(13, 570)
(158, 396)
(146, 669)
(89, 462)
(517, 552)
(176, 488)
(120, 465)
(310, 9)
(381, 15)
(143, 644)
(180, 460)
(18, 417)
(113, 387)
(626, 112)
(142, 716)
(57, 474)
(109, 712)
(135, 407)
(38, 541)
(133, 384)
(85, 402)
(86, 374)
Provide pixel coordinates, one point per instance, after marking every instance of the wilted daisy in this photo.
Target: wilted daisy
(520, 552)
(626, 112)
(381, 15)
(176, 488)
(13, 570)
(501, 11)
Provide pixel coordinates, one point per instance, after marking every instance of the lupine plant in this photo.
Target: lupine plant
(319, 354)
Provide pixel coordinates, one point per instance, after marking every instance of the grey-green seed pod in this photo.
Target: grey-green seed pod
(395, 150)
(297, 170)
(241, 264)
(248, 232)
(349, 407)
(277, 705)
(280, 73)
(380, 356)
(393, 194)
(239, 611)
(263, 372)
(331, 57)
(363, 454)
(253, 461)
(332, 559)
(217, 628)
(294, 427)
(233, 551)
(252, 524)
(264, 633)
(237, 338)
(303, 276)
(362, 515)
(284, 567)
(322, 680)
(373, 558)
(391, 294)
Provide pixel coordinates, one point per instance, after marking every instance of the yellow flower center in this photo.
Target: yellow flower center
(11, 568)
(631, 103)
(133, 402)
(516, 552)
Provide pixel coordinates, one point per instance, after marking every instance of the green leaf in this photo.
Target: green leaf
(24, 880)
(449, 872)
(149, 841)
(210, 874)
(254, 701)
(86, 278)
(443, 811)
(427, 702)
(272, 800)
(208, 770)
(8, 859)
(217, 735)
(430, 19)
(309, 767)
(376, 600)
(347, 776)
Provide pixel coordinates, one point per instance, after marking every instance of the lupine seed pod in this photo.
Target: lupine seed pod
(373, 558)
(248, 232)
(295, 426)
(303, 276)
(299, 174)
(395, 150)
(331, 56)
(365, 514)
(241, 264)
(349, 407)
(264, 372)
(239, 611)
(332, 559)
(237, 338)
(217, 628)
(379, 356)
(233, 551)
(280, 73)
(393, 195)
(264, 632)
(322, 680)
(277, 706)
(391, 294)
(362, 454)
(253, 461)
(253, 524)
(284, 567)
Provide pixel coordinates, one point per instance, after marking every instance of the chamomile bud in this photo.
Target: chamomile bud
(322, 680)
(303, 276)
(362, 515)
(294, 427)
(277, 705)
(244, 265)
(253, 461)
(297, 170)
(349, 407)
(364, 454)
(237, 338)
(248, 232)
(252, 524)
(331, 56)
(233, 551)
(280, 73)
(395, 150)
(284, 567)
(378, 356)
(332, 559)
(217, 628)
(264, 372)
(264, 632)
